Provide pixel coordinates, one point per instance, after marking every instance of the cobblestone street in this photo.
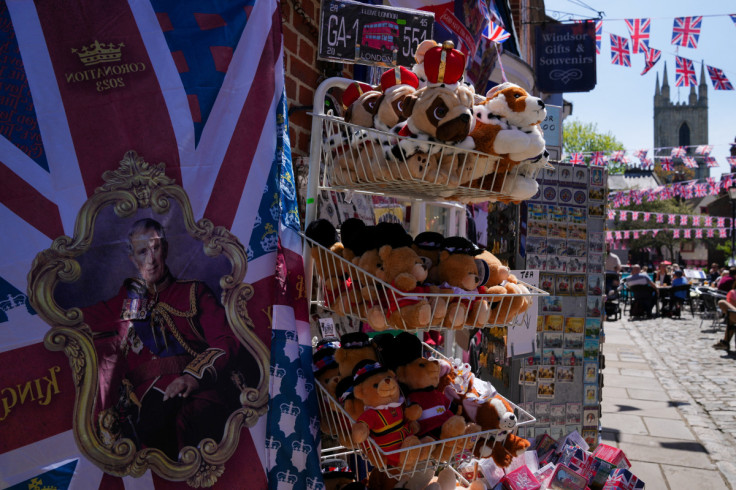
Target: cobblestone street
(669, 401)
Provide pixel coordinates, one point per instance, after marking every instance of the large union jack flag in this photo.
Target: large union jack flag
(718, 78)
(639, 34)
(686, 31)
(651, 56)
(198, 85)
(620, 51)
(684, 72)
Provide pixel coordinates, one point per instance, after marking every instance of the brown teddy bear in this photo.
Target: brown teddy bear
(420, 378)
(354, 347)
(458, 274)
(428, 244)
(505, 445)
(497, 280)
(332, 270)
(386, 418)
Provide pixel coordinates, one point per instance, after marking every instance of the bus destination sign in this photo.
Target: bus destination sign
(353, 32)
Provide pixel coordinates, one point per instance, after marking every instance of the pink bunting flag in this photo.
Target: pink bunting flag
(686, 232)
(609, 236)
(646, 216)
(708, 221)
(703, 149)
(699, 233)
(660, 218)
(654, 232)
(722, 232)
(683, 219)
(618, 235)
(696, 220)
(636, 233)
(622, 215)
(635, 215)
(678, 152)
(611, 214)
(676, 233)
(690, 162)
(671, 219)
(721, 222)
(710, 232)
(626, 234)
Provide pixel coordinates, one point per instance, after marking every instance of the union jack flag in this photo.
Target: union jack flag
(199, 85)
(711, 162)
(678, 152)
(598, 158)
(496, 33)
(671, 219)
(639, 33)
(683, 219)
(660, 217)
(686, 232)
(666, 164)
(696, 220)
(646, 162)
(646, 216)
(718, 78)
(686, 31)
(640, 154)
(689, 162)
(684, 72)
(710, 233)
(598, 36)
(577, 159)
(651, 56)
(620, 51)
(676, 233)
(732, 162)
(720, 222)
(611, 214)
(617, 155)
(709, 221)
(723, 232)
(623, 215)
(699, 233)
(703, 150)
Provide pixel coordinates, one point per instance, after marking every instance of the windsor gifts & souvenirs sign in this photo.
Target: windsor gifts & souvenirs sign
(566, 57)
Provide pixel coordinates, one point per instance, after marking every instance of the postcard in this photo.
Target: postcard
(541, 412)
(552, 340)
(557, 413)
(546, 390)
(565, 374)
(573, 413)
(590, 372)
(572, 357)
(573, 341)
(574, 324)
(590, 416)
(590, 394)
(553, 323)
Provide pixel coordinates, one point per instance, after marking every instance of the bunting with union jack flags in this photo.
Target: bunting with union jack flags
(651, 56)
(678, 152)
(684, 72)
(639, 34)
(620, 54)
(718, 78)
(686, 31)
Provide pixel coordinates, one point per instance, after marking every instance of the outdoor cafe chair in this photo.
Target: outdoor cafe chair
(644, 300)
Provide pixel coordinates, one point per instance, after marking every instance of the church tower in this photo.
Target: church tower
(682, 123)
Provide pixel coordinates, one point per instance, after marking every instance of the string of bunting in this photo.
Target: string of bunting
(685, 190)
(617, 235)
(677, 154)
(670, 219)
(685, 33)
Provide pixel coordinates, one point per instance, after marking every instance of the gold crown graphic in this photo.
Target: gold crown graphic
(99, 53)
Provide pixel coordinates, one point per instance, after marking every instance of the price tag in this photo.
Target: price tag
(327, 327)
(353, 32)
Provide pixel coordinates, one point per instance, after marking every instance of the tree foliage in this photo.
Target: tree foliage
(585, 137)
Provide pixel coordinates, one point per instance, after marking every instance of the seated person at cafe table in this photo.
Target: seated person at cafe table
(728, 306)
(662, 276)
(667, 295)
(726, 281)
(645, 304)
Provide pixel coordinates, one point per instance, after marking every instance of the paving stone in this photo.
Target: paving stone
(674, 429)
(661, 450)
(679, 477)
(627, 424)
(651, 474)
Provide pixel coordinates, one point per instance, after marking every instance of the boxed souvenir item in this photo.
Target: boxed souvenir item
(565, 478)
(520, 479)
(612, 455)
(579, 460)
(623, 479)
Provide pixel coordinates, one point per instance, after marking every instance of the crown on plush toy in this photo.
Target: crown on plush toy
(354, 90)
(367, 368)
(398, 76)
(444, 64)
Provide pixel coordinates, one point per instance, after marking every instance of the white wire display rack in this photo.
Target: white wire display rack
(429, 456)
(346, 289)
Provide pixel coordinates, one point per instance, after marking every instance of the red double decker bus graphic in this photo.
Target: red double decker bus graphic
(380, 35)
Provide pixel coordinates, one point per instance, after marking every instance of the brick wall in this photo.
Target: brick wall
(302, 71)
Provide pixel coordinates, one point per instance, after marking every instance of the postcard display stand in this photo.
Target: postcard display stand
(561, 382)
(343, 167)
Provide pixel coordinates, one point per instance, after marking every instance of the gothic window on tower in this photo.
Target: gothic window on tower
(684, 135)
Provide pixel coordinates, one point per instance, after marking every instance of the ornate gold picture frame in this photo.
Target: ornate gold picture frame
(136, 188)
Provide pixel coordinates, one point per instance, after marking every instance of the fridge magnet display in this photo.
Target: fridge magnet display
(536, 262)
(553, 323)
(590, 352)
(540, 323)
(590, 394)
(573, 341)
(595, 264)
(566, 195)
(590, 372)
(550, 175)
(551, 357)
(593, 307)
(564, 173)
(572, 357)
(546, 390)
(541, 411)
(576, 214)
(577, 231)
(580, 197)
(562, 284)
(574, 324)
(577, 282)
(573, 413)
(549, 192)
(580, 176)
(565, 374)
(592, 328)
(596, 194)
(546, 373)
(556, 246)
(597, 242)
(556, 214)
(596, 177)
(557, 414)
(541, 429)
(552, 340)
(547, 282)
(537, 211)
(596, 210)
(590, 416)
(595, 284)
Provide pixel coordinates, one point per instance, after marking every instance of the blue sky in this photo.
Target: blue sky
(622, 101)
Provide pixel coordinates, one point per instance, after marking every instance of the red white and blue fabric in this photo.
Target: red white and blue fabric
(207, 100)
(598, 158)
(710, 162)
(732, 162)
(651, 56)
(641, 154)
(611, 214)
(703, 149)
(620, 54)
(718, 78)
(733, 18)
(646, 162)
(639, 34)
(666, 164)
(577, 159)
(690, 162)
(686, 31)
(617, 155)
(678, 152)
(684, 72)
(496, 33)
(598, 36)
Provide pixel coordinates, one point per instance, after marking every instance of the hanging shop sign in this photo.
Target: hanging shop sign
(353, 32)
(566, 57)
